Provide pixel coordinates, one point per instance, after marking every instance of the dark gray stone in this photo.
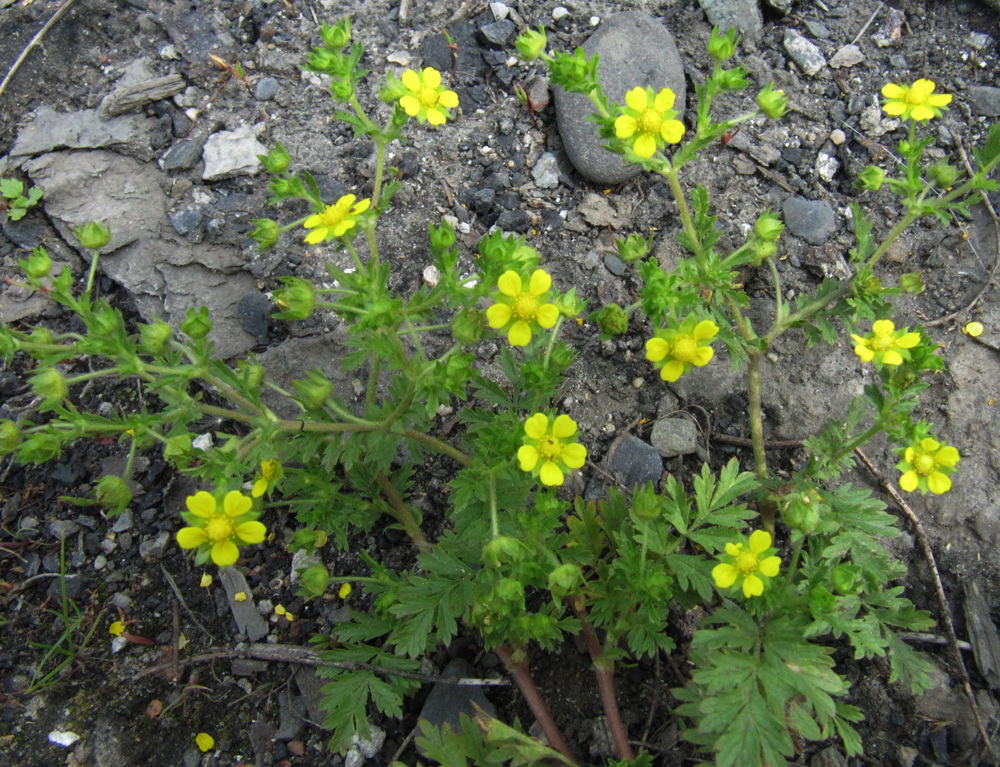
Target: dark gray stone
(186, 220)
(545, 174)
(635, 462)
(744, 15)
(267, 89)
(615, 265)
(447, 702)
(514, 221)
(804, 52)
(674, 436)
(984, 99)
(812, 220)
(635, 50)
(254, 313)
(183, 155)
(497, 33)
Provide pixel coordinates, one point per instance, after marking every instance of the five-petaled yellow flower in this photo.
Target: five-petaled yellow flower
(547, 451)
(219, 532)
(270, 472)
(337, 220)
(885, 345)
(517, 309)
(647, 120)
(917, 102)
(926, 465)
(676, 350)
(748, 561)
(425, 98)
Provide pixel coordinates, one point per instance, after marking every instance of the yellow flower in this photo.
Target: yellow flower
(425, 98)
(337, 220)
(205, 741)
(546, 452)
(748, 561)
(518, 309)
(270, 472)
(885, 345)
(345, 590)
(206, 580)
(218, 532)
(240, 596)
(917, 102)
(973, 329)
(117, 628)
(279, 610)
(675, 351)
(926, 465)
(647, 121)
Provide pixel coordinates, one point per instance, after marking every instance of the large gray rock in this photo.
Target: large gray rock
(448, 702)
(812, 220)
(635, 50)
(86, 129)
(744, 15)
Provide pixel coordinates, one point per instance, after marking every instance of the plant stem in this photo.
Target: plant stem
(522, 677)
(673, 177)
(399, 511)
(494, 520)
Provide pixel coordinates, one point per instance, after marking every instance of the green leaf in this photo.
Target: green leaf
(11, 188)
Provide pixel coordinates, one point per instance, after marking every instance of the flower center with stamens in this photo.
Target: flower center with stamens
(746, 562)
(650, 121)
(685, 349)
(924, 464)
(525, 306)
(882, 343)
(428, 96)
(219, 529)
(550, 448)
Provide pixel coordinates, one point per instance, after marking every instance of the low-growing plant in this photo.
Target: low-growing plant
(786, 567)
(14, 200)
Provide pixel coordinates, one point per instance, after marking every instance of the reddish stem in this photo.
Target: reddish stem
(522, 676)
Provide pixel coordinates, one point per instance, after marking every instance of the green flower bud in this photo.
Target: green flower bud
(197, 325)
(722, 46)
(768, 226)
(38, 264)
(503, 550)
(573, 71)
(10, 437)
(871, 178)
(393, 90)
(93, 236)
(801, 511)
(280, 189)
(8, 344)
(338, 36)
(634, 247)
(313, 390)
(846, 578)
(296, 300)
(41, 336)
(314, 581)
(568, 304)
(562, 356)
(645, 505)
(324, 60)
(105, 325)
(277, 160)
(154, 338)
(772, 103)
(342, 90)
(943, 174)
(441, 237)
(266, 232)
(51, 387)
(509, 591)
(912, 282)
(821, 599)
(468, 326)
(253, 374)
(531, 43)
(113, 493)
(611, 319)
(734, 79)
(762, 251)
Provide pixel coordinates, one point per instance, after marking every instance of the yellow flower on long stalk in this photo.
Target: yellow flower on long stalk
(647, 121)
(425, 98)
(747, 562)
(676, 350)
(219, 532)
(926, 465)
(270, 473)
(917, 102)
(337, 220)
(518, 310)
(548, 451)
(885, 345)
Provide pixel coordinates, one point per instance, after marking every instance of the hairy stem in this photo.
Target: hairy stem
(399, 511)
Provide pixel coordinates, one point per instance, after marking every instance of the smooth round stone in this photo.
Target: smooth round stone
(635, 50)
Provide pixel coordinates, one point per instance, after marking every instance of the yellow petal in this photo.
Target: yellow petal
(574, 455)
(509, 283)
(921, 113)
(259, 488)
(637, 99)
(547, 315)
(346, 201)
(908, 340)
(883, 327)
(664, 100)
(864, 353)
(703, 356)
(734, 549)
(204, 741)
(527, 457)
(704, 330)
(343, 227)
(436, 117)
(519, 334)
(550, 474)
(921, 89)
(626, 126)
(201, 504)
(312, 222)
(411, 80)
(894, 108)
(724, 575)
(410, 105)
(893, 91)
(656, 349)
(251, 532)
(909, 481)
(930, 445)
(225, 553)
(892, 357)
(752, 586)
(770, 566)
(760, 541)
(448, 99)
(563, 427)
(235, 503)
(672, 131)
(431, 77)
(672, 371)
(191, 537)
(645, 145)
(498, 315)
(947, 456)
(939, 99)
(540, 282)
(939, 482)
(537, 426)
(316, 235)
(362, 206)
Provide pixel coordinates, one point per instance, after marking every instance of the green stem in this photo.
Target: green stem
(673, 177)
(440, 445)
(779, 306)
(494, 518)
(95, 254)
(402, 514)
(552, 340)
(757, 428)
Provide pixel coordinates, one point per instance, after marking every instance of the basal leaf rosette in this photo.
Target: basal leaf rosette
(648, 121)
(549, 451)
(747, 563)
(219, 532)
(421, 95)
(337, 220)
(522, 306)
(885, 345)
(674, 351)
(926, 465)
(917, 102)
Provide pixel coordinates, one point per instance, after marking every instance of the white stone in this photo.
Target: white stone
(500, 11)
(232, 153)
(559, 12)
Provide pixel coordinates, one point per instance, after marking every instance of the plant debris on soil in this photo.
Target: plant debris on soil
(181, 206)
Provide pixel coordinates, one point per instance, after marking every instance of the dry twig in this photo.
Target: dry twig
(34, 41)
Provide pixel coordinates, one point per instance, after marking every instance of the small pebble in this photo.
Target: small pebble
(638, 382)
(559, 12)
(267, 89)
(837, 136)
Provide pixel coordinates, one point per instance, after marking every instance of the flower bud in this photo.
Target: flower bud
(338, 36)
(801, 511)
(277, 160)
(197, 325)
(266, 232)
(38, 264)
(323, 60)
(10, 437)
(768, 226)
(568, 304)
(313, 390)
(772, 103)
(509, 591)
(722, 46)
(51, 387)
(912, 282)
(342, 90)
(762, 251)
(441, 237)
(943, 174)
(280, 189)
(8, 344)
(468, 326)
(253, 374)
(734, 79)
(296, 300)
(503, 550)
(41, 336)
(645, 506)
(93, 236)
(565, 581)
(633, 248)
(612, 320)
(113, 493)
(870, 178)
(154, 337)
(314, 581)
(531, 43)
(562, 356)
(845, 578)
(574, 71)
